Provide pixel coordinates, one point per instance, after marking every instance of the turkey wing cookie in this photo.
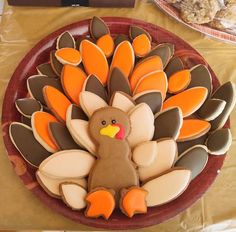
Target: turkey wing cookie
(27, 106)
(194, 159)
(46, 69)
(23, 139)
(154, 157)
(167, 187)
(227, 93)
(68, 56)
(51, 185)
(65, 40)
(219, 141)
(67, 164)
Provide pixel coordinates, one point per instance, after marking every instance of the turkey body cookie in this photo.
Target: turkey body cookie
(40, 125)
(98, 65)
(67, 164)
(194, 159)
(23, 139)
(188, 101)
(46, 69)
(56, 101)
(72, 79)
(65, 40)
(68, 56)
(167, 186)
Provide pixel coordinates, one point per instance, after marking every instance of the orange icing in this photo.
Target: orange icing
(134, 201)
(41, 125)
(102, 203)
(193, 128)
(56, 101)
(141, 45)
(69, 55)
(153, 81)
(94, 60)
(106, 43)
(179, 81)
(189, 100)
(123, 58)
(72, 79)
(151, 64)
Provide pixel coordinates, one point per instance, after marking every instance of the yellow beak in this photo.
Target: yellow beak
(110, 131)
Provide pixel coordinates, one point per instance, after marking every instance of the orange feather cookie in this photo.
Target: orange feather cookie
(68, 56)
(141, 45)
(106, 44)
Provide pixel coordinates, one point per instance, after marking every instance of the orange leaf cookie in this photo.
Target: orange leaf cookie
(123, 58)
(56, 101)
(188, 101)
(101, 203)
(94, 60)
(192, 129)
(153, 81)
(141, 45)
(68, 56)
(145, 67)
(40, 125)
(106, 44)
(179, 81)
(133, 201)
(72, 79)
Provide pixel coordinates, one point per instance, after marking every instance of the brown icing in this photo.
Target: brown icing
(93, 84)
(61, 136)
(25, 120)
(98, 28)
(118, 82)
(77, 113)
(168, 123)
(81, 38)
(36, 84)
(174, 65)
(56, 65)
(120, 38)
(65, 40)
(23, 139)
(27, 106)
(113, 169)
(46, 69)
(135, 31)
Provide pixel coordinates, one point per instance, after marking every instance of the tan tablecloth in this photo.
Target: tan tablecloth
(20, 29)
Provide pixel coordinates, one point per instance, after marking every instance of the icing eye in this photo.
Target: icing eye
(103, 122)
(113, 121)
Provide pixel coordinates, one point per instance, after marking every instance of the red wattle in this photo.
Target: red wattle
(121, 134)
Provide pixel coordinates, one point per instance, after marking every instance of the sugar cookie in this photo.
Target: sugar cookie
(40, 126)
(68, 56)
(219, 141)
(61, 136)
(56, 65)
(120, 38)
(65, 40)
(90, 102)
(163, 159)
(98, 65)
(135, 31)
(168, 123)
(145, 67)
(122, 101)
(81, 38)
(141, 132)
(51, 185)
(30, 149)
(26, 121)
(152, 98)
(67, 164)
(73, 195)
(106, 44)
(179, 81)
(72, 79)
(174, 65)
(167, 187)
(35, 85)
(123, 58)
(118, 82)
(46, 69)
(94, 85)
(192, 129)
(141, 45)
(189, 101)
(225, 92)
(98, 28)
(194, 159)
(75, 112)
(153, 81)
(27, 106)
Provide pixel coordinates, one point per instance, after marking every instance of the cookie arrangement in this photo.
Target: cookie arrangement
(119, 123)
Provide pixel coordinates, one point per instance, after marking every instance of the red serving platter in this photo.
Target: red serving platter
(17, 89)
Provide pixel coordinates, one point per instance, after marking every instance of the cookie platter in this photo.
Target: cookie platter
(73, 141)
(206, 29)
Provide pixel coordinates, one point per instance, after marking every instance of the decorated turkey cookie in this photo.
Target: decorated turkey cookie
(119, 122)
